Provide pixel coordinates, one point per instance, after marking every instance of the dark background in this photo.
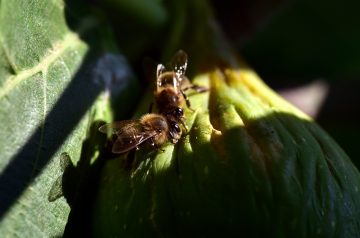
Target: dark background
(292, 44)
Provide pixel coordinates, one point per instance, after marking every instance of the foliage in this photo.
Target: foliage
(251, 163)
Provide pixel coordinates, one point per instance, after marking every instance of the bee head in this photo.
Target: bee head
(178, 112)
(174, 131)
(160, 125)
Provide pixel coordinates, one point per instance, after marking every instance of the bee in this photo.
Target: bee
(165, 125)
(170, 93)
(129, 134)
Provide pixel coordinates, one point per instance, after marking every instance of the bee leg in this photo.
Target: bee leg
(200, 89)
(130, 162)
(187, 100)
(185, 126)
(185, 85)
(159, 148)
(197, 88)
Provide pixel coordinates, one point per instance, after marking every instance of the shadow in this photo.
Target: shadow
(276, 176)
(340, 116)
(80, 194)
(60, 122)
(78, 183)
(337, 113)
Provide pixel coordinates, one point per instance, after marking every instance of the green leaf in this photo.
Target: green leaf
(53, 91)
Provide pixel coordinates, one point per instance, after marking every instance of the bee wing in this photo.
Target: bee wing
(179, 63)
(126, 142)
(159, 70)
(121, 127)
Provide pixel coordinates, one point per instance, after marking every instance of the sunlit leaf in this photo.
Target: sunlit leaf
(54, 88)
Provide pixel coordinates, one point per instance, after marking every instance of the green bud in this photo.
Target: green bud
(251, 164)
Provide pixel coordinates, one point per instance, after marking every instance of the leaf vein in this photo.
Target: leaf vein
(69, 40)
(8, 58)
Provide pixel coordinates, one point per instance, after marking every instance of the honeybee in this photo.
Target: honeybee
(130, 134)
(170, 93)
(165, 125)
(171, 85)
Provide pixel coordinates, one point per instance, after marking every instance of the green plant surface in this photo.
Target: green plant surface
(309, 40)
(52, 93)
(251, 164)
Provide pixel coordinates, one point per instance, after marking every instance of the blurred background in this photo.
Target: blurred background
(308, 51)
